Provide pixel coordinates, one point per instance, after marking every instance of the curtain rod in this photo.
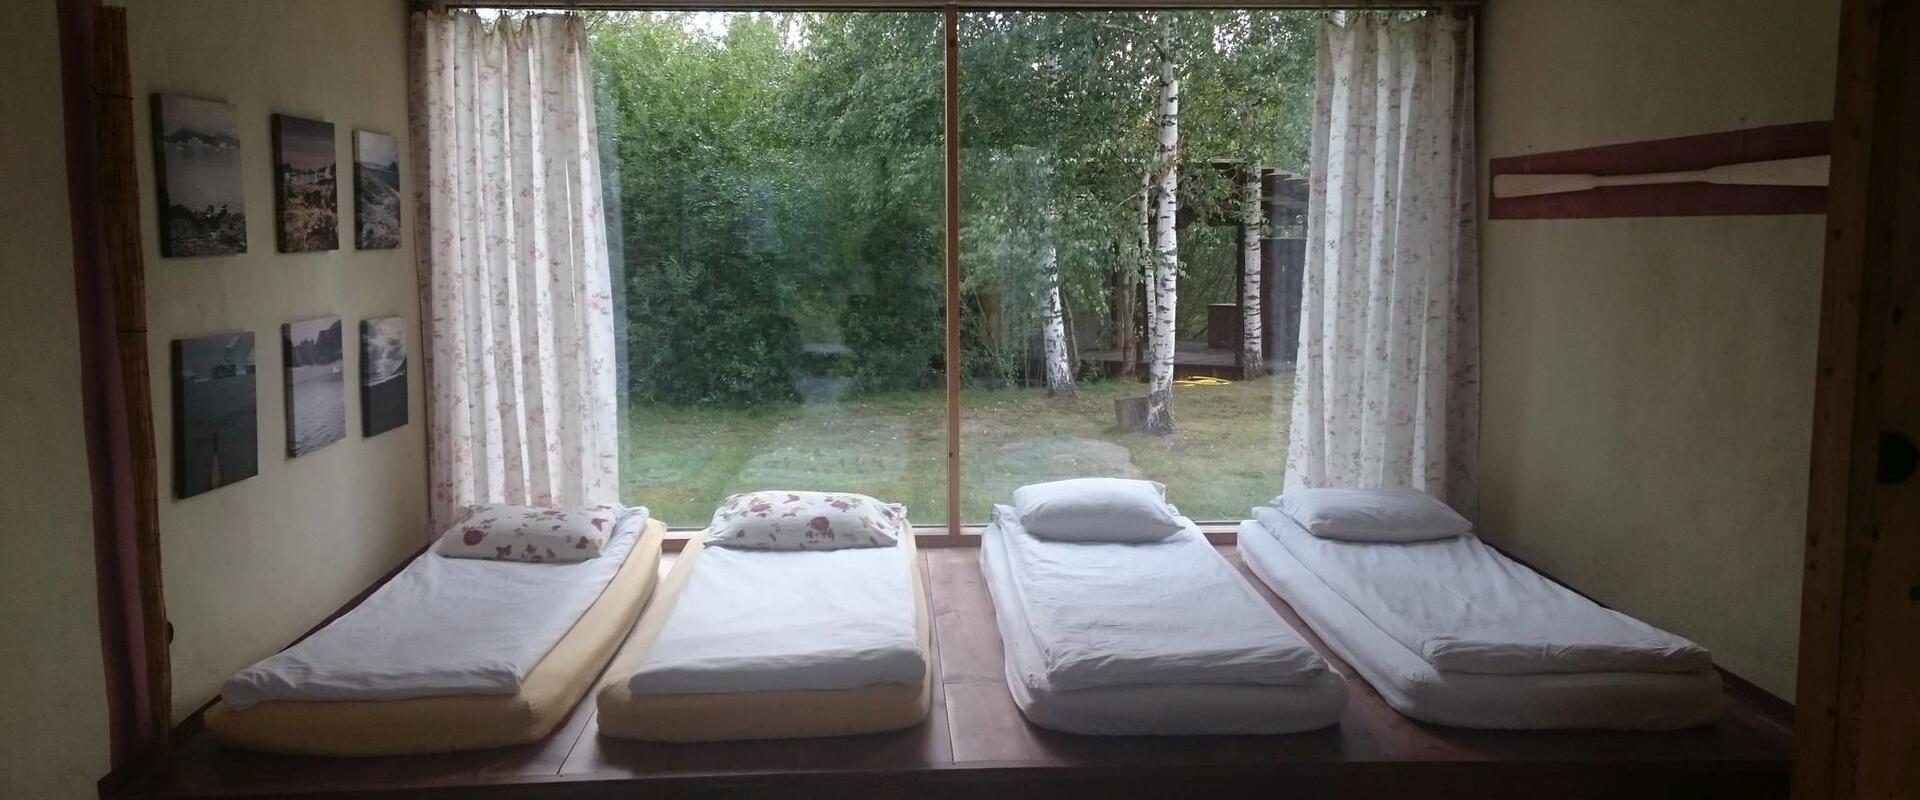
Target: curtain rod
(934, 5)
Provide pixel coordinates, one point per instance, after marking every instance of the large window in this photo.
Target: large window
(777, 204)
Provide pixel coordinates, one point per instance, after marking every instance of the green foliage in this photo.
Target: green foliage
(894, 331)
(776, 181)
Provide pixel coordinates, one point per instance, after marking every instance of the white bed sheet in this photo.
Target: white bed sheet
(1171, 709)
(1600, 700)
(443, 626)
(1465, 607)
(762, 620)
(1119, 614)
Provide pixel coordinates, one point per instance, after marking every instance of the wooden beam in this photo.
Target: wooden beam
(1857, 701)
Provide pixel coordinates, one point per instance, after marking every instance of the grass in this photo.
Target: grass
(1229, 451)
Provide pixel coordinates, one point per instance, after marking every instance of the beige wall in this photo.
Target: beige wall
(1647, 383)
(53, 716)
(251, 566)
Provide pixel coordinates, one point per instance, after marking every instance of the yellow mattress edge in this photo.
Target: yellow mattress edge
(727, 716)
(469, 722)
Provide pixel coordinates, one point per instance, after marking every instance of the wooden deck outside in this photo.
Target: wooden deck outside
(1190, 360)
(976, 744)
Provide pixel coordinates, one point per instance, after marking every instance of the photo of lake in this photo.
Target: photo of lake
(376, 191)
(305, 183)
(197, 156)
(383, 374)
(316, 385)
(216, 427)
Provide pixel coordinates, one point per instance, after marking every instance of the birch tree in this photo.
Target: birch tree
(1053, 328)
(1166, 241)
(1252, 355)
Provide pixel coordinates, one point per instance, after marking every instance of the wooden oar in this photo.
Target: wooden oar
(1809, 171)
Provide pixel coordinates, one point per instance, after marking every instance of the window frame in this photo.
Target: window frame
(955, 531)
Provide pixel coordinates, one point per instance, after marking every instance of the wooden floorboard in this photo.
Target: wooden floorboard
(976, 744)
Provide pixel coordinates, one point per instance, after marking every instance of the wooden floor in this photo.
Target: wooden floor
(976, 744)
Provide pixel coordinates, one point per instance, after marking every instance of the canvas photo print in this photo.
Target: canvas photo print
(214, 417)
(376, 191)
(307, 193)
(383, 374)
(316, 387)
(197, 158)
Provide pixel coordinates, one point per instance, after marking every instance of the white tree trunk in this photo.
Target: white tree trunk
(1253, 362)
(1166, 266)
(1144, 258)
(1053, 327)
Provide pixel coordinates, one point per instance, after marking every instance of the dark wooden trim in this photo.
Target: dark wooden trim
(950, 140)
(1855, 730)
(1669, 155)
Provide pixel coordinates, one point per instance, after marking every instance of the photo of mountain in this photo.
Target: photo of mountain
(197, 158)
(383, 374)
(376, 191)
(215, 422)
(305, 184)
(316, 385)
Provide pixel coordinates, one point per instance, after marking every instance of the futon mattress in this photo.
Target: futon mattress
(1159, 638)
(715, 691)
(460, 722)
(1622, 700)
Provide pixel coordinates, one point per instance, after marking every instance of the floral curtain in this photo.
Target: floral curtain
(1386, 392)
(515, 291)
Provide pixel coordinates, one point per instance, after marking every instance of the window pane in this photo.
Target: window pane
(1062, 117)
(778, 226)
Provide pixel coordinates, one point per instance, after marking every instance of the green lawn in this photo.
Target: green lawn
(1228, 454)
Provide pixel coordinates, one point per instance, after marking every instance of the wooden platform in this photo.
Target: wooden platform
(1190, 360)
(976, 744)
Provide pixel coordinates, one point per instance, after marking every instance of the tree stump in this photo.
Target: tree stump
(1134, 414)
(1131, 413)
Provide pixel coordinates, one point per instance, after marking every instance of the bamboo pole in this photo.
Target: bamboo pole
(121, 252)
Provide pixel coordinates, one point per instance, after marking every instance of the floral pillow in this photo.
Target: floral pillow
(806, 521)
(531, 533)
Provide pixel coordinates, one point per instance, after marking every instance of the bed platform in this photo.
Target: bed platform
(975, 744)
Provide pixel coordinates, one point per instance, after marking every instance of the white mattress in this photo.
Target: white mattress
(443, 626)
(1465, 607)
(1608, 700)
(1171, 705)
(761, 621)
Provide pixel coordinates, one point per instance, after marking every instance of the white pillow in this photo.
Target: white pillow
(783, 520)
(1372, 515)
(1096, 510)
(532, 533)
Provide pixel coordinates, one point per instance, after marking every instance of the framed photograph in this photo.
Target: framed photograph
(376, 191)
(197, 166)
(383, 374)
(215, 422)
(306, 189)
(316, 387)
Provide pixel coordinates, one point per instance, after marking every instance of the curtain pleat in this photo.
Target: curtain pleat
(513, 262)
(1386, 389)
